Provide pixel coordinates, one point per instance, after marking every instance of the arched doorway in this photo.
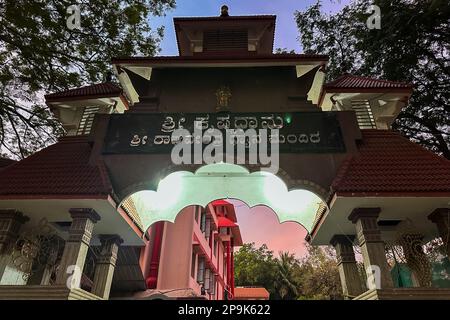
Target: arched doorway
(182, 198)
(226, 181)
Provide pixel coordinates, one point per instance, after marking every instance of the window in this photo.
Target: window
(197, 212)
(216, 243)
(212, 286)
(225, 40)
(363, 114)
(207, 231)
(201, 270)
(207, 282)
(87, 119)
(224, 267)
(203, 221)
(194, 257)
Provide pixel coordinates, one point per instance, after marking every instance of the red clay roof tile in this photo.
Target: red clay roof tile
(348, 81)
(250, 292)
(61, 169)
(107, 89)
(4, 162)
(388, 162)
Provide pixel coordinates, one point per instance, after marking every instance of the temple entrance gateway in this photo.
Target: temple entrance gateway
(341, 172)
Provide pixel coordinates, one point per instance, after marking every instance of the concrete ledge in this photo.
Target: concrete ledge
(406, 294)
(44, 293)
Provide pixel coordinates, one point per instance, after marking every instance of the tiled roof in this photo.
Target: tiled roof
(59, 170)
(388, 162)
(4, 162)
(225, 222)
(130, 208)
(238, 19)
(355, 82)
(250, 292)
(107, 89)
(221, 202)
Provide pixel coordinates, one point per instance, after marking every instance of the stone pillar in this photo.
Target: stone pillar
(348, 270)
(441, 217)
(104, 268)
(77, 246)
(372, 246)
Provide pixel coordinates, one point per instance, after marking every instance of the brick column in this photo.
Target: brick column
(348, 270)
(441, 217)
(104, 268)
(77, 246)
(372, 246)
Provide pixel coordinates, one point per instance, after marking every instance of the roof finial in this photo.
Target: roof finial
(224, 11)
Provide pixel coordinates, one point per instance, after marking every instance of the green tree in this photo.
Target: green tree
(318, 275)
(40, 52)
(255, 267)
(412, 45)
(285, 282)
(284, 51)
(314, 277)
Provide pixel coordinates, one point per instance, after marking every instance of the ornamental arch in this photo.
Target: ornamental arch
(181, 189)
(152, 184)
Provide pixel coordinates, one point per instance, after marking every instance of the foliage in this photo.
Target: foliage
(318, 275)
(39, 53)
(284, 51)
(254, 266)
(412, 45)
(286, 277)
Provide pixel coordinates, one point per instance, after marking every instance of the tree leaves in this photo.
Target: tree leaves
(413, 45)
(39, 53)
(286, 277)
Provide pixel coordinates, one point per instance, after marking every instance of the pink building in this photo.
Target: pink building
(193, 257)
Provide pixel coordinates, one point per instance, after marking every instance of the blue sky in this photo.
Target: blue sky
(286, 29)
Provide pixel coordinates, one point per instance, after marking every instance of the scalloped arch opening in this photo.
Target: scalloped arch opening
(225, 181)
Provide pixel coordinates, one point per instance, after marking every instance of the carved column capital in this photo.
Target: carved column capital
(83, 220)
(343, 244)
(364, 213)
(367, 228)
(347, 239)
(109, 249)
(84, 213)
(439, 214)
